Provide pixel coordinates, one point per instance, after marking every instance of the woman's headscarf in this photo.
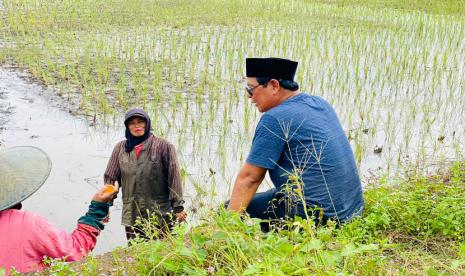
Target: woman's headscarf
(132, 141)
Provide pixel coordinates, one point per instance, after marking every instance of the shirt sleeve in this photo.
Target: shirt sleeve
(56, 243)
(268, 143)
(113, 172)
(97, 212)
(170, 162)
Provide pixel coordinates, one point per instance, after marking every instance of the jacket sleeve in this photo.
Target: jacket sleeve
(174, 177)
(56, 243)
(113, 172)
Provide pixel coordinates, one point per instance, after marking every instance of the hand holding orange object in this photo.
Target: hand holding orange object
(110, 189)
(106, 194)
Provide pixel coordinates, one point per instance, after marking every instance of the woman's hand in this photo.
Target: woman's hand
(181, 216)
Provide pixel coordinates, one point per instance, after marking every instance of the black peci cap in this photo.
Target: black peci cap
(275, 68)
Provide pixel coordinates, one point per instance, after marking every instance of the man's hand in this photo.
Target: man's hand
(105, 194)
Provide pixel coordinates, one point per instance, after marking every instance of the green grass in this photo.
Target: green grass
(415, 227)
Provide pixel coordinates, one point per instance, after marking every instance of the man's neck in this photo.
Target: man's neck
(289, 94)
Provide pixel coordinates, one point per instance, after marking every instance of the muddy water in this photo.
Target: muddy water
(78, 152)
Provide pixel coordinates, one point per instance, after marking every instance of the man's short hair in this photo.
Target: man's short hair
(286, 84)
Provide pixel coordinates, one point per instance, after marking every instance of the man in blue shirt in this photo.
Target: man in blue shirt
(300, 142)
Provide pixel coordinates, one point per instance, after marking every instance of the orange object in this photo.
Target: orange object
(110, 189)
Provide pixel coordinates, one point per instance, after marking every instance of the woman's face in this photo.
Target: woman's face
(136, 126)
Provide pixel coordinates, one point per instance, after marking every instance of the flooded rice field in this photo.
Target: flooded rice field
(395, 77)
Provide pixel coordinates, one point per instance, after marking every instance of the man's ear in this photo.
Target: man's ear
(274, 84)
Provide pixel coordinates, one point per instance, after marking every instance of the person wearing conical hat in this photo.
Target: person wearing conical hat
(299, 141)
(26, 238)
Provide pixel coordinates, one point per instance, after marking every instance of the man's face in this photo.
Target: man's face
(260, 94)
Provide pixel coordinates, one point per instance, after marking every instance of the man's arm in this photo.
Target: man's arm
(245, 186)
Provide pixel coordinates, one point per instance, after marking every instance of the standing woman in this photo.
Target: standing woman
(147, 170)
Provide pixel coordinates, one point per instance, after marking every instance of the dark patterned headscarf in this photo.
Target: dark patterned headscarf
(132, 141)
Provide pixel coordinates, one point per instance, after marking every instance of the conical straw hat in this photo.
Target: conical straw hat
(23, 170)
